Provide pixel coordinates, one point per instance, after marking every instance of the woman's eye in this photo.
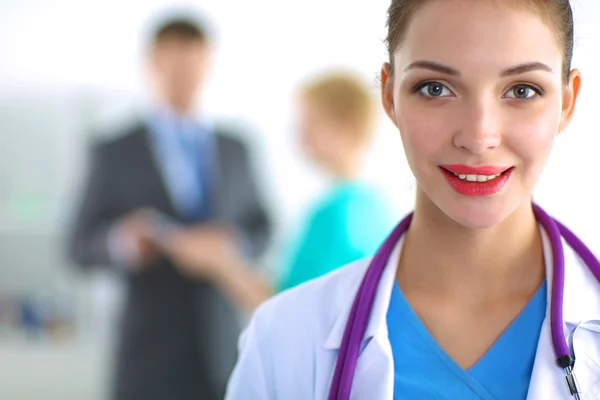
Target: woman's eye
(434, 89)
(523, 92)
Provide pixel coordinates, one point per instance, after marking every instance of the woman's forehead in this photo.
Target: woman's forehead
(478, 34)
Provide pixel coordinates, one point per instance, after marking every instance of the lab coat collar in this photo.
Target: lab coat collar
(377, 321)
(581, 294)
(581, 305)
(374, 377)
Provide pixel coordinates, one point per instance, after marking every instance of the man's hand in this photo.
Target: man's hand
(134, 233)
(211, 253)
(203, 251)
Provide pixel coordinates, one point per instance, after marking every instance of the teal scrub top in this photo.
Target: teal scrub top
(423, 370)
(348, 224)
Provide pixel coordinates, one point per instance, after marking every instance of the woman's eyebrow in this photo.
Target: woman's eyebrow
(516, 70)
(527, 67)
(433, 66)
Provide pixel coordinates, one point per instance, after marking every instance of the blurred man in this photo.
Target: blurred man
(171, 171)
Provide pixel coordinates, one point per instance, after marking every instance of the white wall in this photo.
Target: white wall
(266, 47)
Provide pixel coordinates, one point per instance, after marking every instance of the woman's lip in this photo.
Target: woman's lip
(488, 170)
(488, 187)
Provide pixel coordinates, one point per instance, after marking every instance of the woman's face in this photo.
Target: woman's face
(477, 92)
(318, 132)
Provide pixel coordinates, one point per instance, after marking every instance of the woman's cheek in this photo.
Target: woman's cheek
(425, 134)
(532, 138)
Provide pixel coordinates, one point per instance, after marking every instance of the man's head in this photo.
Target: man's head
(179, 58)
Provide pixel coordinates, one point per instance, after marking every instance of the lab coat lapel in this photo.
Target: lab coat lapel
(374, 375)
(547, 380)
(581, 304)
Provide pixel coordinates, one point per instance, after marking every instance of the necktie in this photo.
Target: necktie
(195, 156)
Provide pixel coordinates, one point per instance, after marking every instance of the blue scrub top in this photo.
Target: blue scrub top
(423, 370)
(347, 224)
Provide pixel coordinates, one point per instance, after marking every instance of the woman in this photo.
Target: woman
(348, 223)
(461, 310)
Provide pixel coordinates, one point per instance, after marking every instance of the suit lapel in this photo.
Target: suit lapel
(219, 169)
(150, 173)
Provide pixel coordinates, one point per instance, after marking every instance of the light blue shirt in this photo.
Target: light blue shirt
(423, 370)
(184, 150)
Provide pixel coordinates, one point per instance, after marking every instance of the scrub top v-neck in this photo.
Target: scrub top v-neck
(423, 370)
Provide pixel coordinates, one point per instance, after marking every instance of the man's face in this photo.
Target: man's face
(179, 68)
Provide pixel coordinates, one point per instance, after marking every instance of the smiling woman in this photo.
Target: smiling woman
(512, 100)
(456, 303)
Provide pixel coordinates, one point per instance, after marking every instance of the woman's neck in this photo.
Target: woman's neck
(346, 165)
(442, 257)
(346, 170)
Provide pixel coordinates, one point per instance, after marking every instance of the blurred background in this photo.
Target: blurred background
(70, 70)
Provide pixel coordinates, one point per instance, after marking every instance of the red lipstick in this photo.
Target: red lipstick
(476, 181)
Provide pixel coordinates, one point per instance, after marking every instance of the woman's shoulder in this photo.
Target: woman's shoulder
(354, 192)
(312, 306)
(357, 202)
(284, 348)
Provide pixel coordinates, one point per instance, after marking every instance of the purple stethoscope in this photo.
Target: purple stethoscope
(363, 301)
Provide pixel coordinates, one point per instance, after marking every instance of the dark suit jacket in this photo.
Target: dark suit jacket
(177, 336)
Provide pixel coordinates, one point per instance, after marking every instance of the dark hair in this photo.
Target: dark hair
(557, 12)
(181, 29)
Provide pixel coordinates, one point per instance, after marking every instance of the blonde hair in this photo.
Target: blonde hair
(344, 97)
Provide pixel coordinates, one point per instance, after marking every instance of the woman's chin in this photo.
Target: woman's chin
(477, 216)
(471, 212)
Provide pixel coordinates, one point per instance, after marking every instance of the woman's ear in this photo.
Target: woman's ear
(387, 92)
(570, 95)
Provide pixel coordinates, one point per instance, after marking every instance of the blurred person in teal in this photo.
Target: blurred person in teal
(349, 222)
(336, 125)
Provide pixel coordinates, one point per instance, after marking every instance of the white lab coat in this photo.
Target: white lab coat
(289, 350)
